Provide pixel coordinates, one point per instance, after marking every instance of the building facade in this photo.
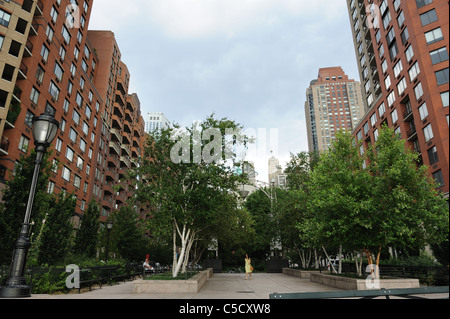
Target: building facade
(402, 52)
(77, 76)
(156, 121)
(333, 102)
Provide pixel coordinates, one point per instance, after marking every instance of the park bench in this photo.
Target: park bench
(363, 294)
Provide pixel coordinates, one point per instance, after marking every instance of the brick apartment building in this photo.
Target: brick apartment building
(402, 52)
(333, 102)
(78, 76)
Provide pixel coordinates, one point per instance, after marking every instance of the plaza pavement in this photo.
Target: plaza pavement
(219, 286)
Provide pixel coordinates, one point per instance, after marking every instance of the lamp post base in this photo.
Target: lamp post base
(15, 292)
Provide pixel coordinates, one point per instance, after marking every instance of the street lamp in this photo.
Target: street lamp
(45, 128)
(109, 225)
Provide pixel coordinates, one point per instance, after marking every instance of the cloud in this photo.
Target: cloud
(248, 60)
(205, 18)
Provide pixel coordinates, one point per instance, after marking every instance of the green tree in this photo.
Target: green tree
(87, 236)
(186, 176)
(340, 199)
(15, 198)
(56, 235)
(407, 211)
(127, 237)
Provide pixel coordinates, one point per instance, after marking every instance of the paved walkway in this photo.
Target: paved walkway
(219, 286)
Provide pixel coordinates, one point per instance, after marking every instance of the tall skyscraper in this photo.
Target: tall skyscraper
(77, 76)
(333, 102)
(156, 121)
(402, 52)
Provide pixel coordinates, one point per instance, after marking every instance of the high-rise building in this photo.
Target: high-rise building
(77, 76)
(277, 177)
(333, 102)
(156, 121)
(402, 52)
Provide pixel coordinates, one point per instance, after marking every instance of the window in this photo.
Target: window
(439, 55)
(66, 174)
(373, 119)
(414, 71)
(5, 17)
(387, 82)
(51, 187)
(54, 14)
(409, 53)
(433, 155)
(445, 98)
(421, 3)
(77, 181)
(23, 143)
(62, 53)
(381, 109)
(80, 163)
(85, 128)
(423, 111)
(83, 145)
(434, 36)
(398, 67)
(69, 154)
(73, 135)
(405, 36)
(66, 34)
(76, 117)
(418, 91)
(58, 145)
(442, 76)
(391, 98)
(44, 53)
(438, 178)
(394, 116)
(58, 71)
(49, 32)
(428, 17)
(29, 119)
(428, 133)
(54, 90)
(401, 19)
(34, 97)
(401, 86)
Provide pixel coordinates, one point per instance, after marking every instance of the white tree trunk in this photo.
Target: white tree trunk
(178, 262)
(329, 260)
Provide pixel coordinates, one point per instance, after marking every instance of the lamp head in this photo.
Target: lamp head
(45, 128)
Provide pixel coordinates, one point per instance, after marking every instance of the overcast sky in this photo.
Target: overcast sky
(248, 60)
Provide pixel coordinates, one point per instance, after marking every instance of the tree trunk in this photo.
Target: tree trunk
(340, 259)
(184, 238)
(329, 260)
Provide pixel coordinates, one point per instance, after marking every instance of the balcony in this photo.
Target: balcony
(39, 8)
(113, 146)
(125, 150)
(115, 135)
(125, 160)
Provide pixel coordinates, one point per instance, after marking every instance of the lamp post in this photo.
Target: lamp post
(45, 128)
(109, 225)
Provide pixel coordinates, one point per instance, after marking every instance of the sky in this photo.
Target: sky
(250, 61)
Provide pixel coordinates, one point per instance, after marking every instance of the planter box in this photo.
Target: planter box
(346, 283)
(304, 274)
(192, 285)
